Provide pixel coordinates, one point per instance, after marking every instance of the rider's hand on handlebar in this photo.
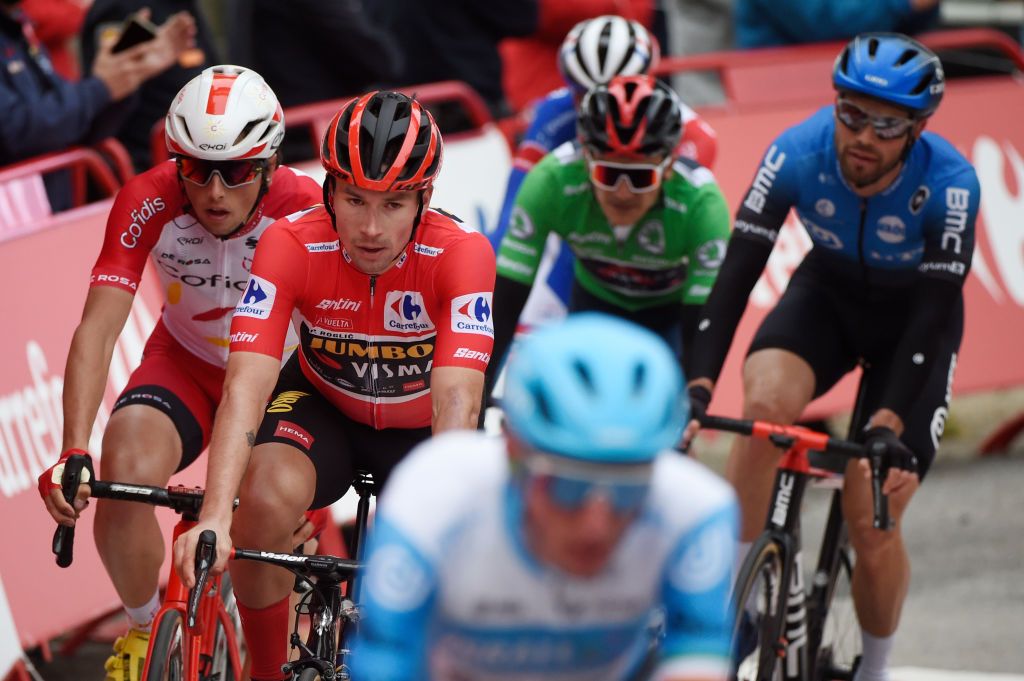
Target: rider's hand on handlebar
(50, 491)
(898, 461)
(185, 550)
(700, 398)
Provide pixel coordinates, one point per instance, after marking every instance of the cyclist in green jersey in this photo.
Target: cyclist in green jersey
(648, 230)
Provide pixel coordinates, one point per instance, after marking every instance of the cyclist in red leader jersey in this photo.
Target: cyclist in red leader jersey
(199, 219)
(393, 304)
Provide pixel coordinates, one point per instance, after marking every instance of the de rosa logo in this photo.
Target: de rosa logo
(406, 311)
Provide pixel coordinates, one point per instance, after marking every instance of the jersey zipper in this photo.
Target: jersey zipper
(371, 366)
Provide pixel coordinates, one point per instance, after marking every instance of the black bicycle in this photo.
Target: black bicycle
(332, 611)
(784, 631)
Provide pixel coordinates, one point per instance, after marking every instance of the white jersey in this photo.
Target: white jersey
(203, 276)
(451, 591)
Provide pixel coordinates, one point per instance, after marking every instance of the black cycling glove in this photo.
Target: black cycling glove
(700, 398)
(882, 441)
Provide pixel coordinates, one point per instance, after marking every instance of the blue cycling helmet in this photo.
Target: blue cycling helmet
(893, 68)
(596, 388)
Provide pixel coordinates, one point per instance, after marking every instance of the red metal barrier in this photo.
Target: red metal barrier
(317, 115)
(790, 75)
(77, 159)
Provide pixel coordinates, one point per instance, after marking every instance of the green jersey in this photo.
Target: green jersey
(671, 255)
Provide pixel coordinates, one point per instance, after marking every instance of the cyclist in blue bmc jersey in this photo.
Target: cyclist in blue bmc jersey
(556, 552)
(890, 210)
(594, 52)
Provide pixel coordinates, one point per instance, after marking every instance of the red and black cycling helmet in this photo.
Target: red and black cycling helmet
(632, 115)
(383, 141)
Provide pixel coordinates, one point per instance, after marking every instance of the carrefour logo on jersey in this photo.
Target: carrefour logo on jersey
(406, 311)
(258, 299)
(471, 313)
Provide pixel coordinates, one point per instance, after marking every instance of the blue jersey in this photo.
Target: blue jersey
(924, 221)
(451, 590)
(553, 124)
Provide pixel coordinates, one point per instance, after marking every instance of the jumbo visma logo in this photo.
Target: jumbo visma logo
(472, 314)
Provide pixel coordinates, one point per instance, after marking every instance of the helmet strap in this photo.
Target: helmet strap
(264, 188)
(329, 186)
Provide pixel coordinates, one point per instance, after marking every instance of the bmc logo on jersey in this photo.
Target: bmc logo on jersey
(472, 314)
(258, 299)
(406, 311)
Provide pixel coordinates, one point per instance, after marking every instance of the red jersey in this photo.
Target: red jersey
(203, 276)
(369, 342)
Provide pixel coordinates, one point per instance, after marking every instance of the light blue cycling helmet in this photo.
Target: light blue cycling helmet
(893, 68)
(595, 388)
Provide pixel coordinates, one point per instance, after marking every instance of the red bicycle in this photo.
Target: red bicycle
(191, 641)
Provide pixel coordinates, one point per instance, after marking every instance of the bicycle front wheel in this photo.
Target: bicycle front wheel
(166, 650)
(840, 634)
(759, 608)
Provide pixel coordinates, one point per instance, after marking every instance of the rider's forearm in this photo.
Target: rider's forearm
(234, 434)
(85, 378)
(456, 399)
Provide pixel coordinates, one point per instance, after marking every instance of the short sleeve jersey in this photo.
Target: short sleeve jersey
(452, 590)
(671, 255)
(369, 343)
(202, 275)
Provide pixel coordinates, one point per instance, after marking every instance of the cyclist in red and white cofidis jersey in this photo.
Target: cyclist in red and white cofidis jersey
(393, 305)
(198, 219)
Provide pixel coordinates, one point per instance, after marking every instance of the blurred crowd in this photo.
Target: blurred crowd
(65, 81)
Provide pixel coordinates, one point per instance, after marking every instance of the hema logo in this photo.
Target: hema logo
(258, 299)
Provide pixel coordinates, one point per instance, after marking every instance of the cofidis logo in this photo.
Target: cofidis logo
(471, 313)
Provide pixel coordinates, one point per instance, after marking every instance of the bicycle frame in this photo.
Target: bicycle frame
(805, 612)
(197, 642)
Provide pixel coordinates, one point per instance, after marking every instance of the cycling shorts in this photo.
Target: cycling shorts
(832, 323)
(179, 384)
(299, 416)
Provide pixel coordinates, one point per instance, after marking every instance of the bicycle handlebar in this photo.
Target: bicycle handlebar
(804, 439)
(206, 556)
(63, 545)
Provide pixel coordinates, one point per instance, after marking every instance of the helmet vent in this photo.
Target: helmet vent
(184, 127)
(872, 47)
(584, 373)
(844, 60)
(246, 130)
(543, 406)
(907, 55)
(639, 378)
(922, 84)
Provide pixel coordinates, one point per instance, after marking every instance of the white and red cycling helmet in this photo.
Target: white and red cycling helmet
(596, 50)
(225, 113)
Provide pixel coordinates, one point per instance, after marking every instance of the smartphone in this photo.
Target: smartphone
(135, 31)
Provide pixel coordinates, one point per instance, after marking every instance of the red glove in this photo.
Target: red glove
(49, 479)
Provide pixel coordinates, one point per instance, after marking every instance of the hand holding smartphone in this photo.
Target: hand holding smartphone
(135, 31)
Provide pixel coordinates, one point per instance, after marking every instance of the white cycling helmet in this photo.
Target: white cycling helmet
(596, 50)
(223, 114)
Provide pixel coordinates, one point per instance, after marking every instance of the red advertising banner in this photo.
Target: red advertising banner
(993, 140)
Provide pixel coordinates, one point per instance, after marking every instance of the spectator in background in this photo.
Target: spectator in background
(43, 112)
(767, 23)
(149, 105)
(531, 62)
(335, 47)
(456, 40)
(56, 22)
(695, 27)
